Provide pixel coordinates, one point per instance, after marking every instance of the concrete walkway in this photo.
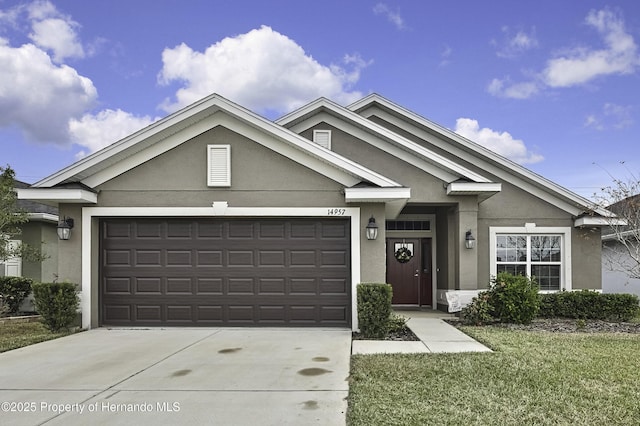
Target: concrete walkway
(436, 336)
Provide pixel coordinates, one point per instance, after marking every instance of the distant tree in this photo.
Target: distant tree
(11, 217)
(621, 249)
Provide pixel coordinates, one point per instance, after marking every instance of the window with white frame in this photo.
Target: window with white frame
(542, 255)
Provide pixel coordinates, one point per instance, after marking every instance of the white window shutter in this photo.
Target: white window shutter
(322, 138)
(218, 165)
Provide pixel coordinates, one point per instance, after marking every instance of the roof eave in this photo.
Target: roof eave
(56, 196)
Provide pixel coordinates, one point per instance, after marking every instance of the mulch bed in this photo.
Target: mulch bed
(562, 325)
(403, 334)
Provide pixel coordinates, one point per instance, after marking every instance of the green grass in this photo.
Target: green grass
(531, 379)
(17, 335)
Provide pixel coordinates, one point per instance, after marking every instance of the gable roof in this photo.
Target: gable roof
(195, 119)
(324, 110)
(469, 151)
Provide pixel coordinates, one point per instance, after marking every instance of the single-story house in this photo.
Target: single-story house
(216, 216)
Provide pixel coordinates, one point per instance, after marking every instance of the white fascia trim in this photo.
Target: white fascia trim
(58, 195)
(43, 217)
(570, 207)
(532, 229)
(361, 128)
(206, 114)
(473, 188)
(375, 195)
(218, 209)
(599, 221)
(346, 173)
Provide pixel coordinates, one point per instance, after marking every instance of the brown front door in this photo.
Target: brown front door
(410, 279)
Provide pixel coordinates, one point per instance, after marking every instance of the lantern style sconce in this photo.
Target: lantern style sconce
(372, 229)
(469, 241)
(64, 228)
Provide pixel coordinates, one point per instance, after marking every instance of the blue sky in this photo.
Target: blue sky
(552, 85)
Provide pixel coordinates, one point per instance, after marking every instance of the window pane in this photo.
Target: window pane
(547, 276)
(512, 269)
(545, 248)
(511, 248)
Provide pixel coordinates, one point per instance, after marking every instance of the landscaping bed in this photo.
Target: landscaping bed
(402, 334)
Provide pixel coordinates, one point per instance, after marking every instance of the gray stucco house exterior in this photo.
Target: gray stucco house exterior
(217, 216)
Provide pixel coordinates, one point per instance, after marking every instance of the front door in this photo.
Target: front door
(409, 270)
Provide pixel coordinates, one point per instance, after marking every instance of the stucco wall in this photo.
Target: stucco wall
(373, 260)
(259, 177)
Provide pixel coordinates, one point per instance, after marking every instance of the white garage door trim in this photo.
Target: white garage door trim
(218, 209)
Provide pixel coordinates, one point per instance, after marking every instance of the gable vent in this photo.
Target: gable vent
(322, 138)
(218, 165)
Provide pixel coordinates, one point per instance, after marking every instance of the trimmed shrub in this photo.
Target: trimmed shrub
(57, 303)
(4, 309)
(479, 311)
(589, 304)
(13, 291)
(514, 298)
(374, 309)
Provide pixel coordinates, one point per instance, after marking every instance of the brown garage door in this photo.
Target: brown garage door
(234, 272)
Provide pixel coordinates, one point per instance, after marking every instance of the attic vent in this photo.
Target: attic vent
(322, 138)
(218, 165)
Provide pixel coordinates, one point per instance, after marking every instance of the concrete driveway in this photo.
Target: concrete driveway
(230, 376)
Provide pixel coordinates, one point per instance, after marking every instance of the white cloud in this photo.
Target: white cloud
(500, 143)
(95, 132)
(53, 31)
(40, 96)
(582, 64)
(612, 116)
(393, 17)
(516, 44)
(59, 36)
(262, 70)
(505, 89)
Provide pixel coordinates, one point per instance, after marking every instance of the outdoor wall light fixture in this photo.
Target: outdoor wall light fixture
(469, 241)
(64, 228)
(372, 229)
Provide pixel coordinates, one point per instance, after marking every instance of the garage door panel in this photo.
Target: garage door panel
(213, 272)
(179, 286)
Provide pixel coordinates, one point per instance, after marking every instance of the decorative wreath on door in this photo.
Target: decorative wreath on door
(403, 254)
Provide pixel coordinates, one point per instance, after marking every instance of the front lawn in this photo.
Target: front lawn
(15, 335)
(531, 378)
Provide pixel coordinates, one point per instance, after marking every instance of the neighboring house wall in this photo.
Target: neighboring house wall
(616, 281)
(43, 235)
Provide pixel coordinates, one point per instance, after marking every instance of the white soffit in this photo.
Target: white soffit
(43, 217)
(473, 188)
(588, 221)
(376, 195)
(53, 196)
